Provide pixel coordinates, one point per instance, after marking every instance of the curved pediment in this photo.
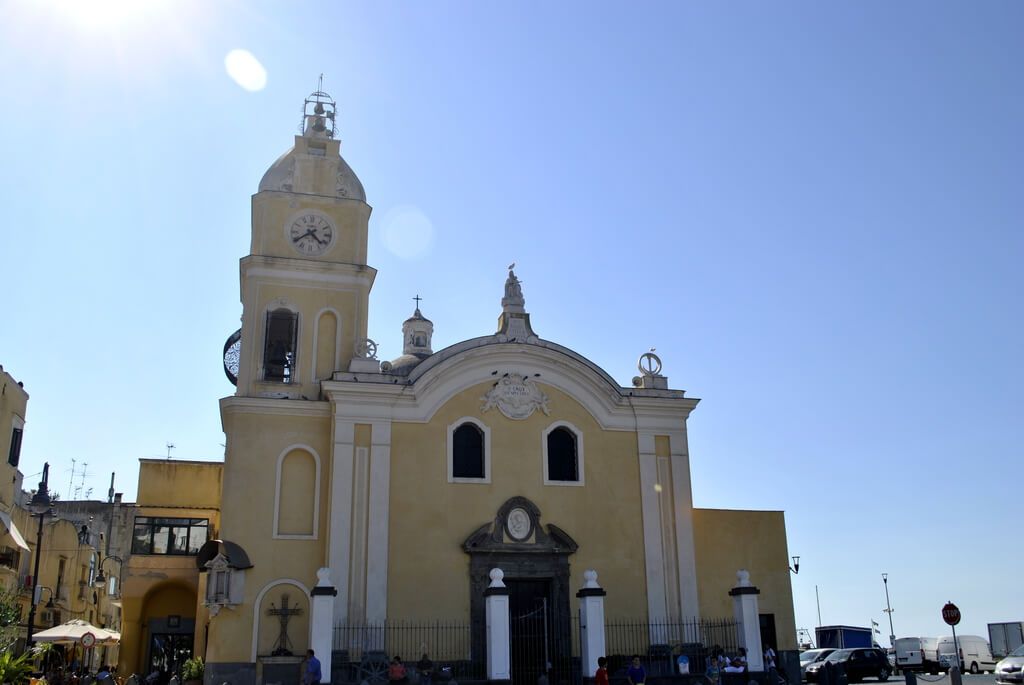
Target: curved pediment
(517, 528)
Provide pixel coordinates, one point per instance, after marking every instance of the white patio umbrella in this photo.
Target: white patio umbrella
(72, 631)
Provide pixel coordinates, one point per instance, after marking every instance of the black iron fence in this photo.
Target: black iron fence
(363, 651)
(660, 644)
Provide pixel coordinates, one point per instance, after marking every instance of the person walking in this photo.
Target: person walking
(311, 675)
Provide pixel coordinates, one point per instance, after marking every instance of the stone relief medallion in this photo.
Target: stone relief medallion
(515, 396)
(518, 523)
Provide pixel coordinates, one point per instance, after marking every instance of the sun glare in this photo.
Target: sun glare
(108, 15)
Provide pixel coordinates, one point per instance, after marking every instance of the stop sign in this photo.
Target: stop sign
(951, 614)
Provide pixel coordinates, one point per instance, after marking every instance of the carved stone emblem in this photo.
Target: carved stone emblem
(518, 523)
(515, 396)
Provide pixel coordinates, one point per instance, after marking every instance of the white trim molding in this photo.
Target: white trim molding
(485, 429)
(316, 495)
(578, 434)
(256, 617)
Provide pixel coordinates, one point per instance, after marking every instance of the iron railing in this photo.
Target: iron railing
(659, 644)
(362, 651)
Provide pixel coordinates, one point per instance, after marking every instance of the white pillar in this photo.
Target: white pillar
(321, 621)
(744, 607)
(591, 622)
(499, 637)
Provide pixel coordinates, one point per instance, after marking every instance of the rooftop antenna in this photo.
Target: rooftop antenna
(170, 446)
(71, 480)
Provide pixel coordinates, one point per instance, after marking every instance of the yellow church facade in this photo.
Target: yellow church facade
(392, 488)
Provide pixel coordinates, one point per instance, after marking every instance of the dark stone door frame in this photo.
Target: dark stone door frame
(541, 553)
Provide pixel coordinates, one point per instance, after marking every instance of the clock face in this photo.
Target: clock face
(311, 234)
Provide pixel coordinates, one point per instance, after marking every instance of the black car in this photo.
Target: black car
(858, 664)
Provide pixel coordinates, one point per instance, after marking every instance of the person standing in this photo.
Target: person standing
(312, 675)
(601, 677)
(636, 673)
(426, 669)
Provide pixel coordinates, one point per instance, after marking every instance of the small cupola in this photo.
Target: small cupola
(417, 333)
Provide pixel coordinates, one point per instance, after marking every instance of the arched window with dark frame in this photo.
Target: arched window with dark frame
(279, 346)
(563, 464)
(468, 452)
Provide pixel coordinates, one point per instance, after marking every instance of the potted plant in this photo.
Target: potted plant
(192, 671)
(15, 670)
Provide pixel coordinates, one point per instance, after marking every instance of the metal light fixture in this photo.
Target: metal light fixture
(40, 506)
(101, 579)
(795, 568)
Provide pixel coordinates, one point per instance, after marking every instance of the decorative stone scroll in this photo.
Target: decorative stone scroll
(515, 396)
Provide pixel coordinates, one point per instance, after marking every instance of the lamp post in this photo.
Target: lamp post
(888, 610)
(795, 568)
(101, 579)
(40, 506)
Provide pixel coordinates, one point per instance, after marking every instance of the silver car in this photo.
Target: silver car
(1010, 671)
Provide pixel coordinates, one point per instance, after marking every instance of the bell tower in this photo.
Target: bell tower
(305, 284)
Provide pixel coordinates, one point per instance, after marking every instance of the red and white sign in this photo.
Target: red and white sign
(951, 614)
(88, 640)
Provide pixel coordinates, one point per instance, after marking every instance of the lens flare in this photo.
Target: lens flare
(245, 70)
(407, 232)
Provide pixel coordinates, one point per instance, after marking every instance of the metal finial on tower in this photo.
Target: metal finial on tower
(417, 298)
(318, 113)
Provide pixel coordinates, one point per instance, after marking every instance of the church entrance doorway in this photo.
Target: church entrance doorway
(531, 628)
(534, 560)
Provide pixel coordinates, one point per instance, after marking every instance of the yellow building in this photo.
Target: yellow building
(177, 512)
(406, 481)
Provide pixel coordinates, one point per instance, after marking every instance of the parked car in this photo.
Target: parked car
(858, 664)
(812, 656)
(974, 653)
(1010, 671)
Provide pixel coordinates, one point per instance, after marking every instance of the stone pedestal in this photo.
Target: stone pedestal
(278, 670)
(744, 606)
(322, 621)
(499, 637)
(591, 598)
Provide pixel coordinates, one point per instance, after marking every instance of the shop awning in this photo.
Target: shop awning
(12, 531)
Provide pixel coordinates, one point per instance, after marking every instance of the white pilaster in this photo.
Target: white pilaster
(682, 495)
(339, 535)
(377, 542)
(321, 621)
(744, 606)
(591, 598)
(499, 634)
(654, 561)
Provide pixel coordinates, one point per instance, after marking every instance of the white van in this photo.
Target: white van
(975, 655)
(919, 654)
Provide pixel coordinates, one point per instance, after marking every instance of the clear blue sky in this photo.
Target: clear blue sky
(812, 210)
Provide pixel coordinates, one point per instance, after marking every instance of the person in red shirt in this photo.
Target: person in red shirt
(601, 677)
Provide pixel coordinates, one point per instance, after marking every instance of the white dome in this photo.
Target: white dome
(281, 174)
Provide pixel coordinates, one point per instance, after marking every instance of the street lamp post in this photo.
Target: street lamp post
(100, 579)
(40, 506)
(888, 610)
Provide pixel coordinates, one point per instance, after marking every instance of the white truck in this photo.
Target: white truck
(919, 654)
(1005, 637)
(974, 653)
